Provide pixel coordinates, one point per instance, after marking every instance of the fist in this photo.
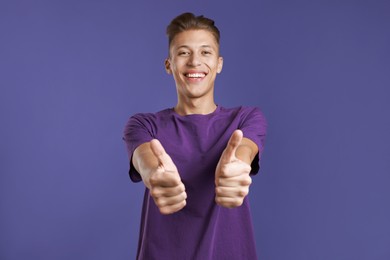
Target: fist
(166, 187)
(232, 179)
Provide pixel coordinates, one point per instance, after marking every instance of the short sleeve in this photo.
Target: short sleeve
(138, 130)
(254, 127)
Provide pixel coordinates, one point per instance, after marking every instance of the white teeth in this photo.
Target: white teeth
(195, 75)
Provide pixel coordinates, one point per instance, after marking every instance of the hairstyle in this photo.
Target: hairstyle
(188, 21)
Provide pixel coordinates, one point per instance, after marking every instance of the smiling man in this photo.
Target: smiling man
(194, 62)
(195, 159)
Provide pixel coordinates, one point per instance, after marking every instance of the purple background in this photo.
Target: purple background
(71, 72)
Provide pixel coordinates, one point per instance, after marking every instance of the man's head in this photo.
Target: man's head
(194, 59)
(188, 21)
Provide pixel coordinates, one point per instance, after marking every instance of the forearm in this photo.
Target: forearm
(246, 151)
(144, 162)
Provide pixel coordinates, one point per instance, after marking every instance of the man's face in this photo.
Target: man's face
(194, 62)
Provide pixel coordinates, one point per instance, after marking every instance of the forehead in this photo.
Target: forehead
(194, 39)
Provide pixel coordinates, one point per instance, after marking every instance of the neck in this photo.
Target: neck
(195, 107)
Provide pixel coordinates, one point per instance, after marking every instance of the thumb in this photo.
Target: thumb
(163, 158)
(229, 154)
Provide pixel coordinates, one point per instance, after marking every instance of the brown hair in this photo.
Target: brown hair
(188, 21)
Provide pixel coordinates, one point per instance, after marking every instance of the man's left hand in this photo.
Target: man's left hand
(232, 178)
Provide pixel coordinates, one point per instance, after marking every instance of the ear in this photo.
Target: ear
(168, 66)
(220, 64)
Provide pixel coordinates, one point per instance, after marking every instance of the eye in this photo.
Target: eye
(183, 53)
(206, 52)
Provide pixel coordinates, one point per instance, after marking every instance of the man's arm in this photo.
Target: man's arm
(247, 150)
(232, 178)
(160, 176)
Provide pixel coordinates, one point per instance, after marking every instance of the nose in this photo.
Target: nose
(194, 60)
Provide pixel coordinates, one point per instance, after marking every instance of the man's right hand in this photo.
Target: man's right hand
(166, 187)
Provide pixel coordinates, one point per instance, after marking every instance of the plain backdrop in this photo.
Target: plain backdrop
(72, 72)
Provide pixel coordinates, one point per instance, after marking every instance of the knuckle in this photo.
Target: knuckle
(177, 182)
(224, 170)
(171, 179)
(243, 192)
(246, 181)
(159, 202)
(155, 193)
(165, 210)
(234, 203)
(154, 179)
(247, 168)
(238, 202)
(181, 187)
(162, 201)
(221, 182)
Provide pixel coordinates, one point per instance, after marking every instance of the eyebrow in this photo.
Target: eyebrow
(188, 47)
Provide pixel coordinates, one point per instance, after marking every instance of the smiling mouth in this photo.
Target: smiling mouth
(195, 75)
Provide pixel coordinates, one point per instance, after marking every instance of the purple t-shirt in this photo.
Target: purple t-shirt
(202, 229)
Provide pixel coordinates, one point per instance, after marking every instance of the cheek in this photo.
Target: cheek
(179, 61)
(174, 69)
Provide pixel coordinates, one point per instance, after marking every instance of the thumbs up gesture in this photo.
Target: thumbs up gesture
(232, 178)
(166, 186)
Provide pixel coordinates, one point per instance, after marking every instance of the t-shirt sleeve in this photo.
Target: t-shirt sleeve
(254, 127)
(138, 130)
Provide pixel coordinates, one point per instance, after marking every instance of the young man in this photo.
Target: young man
(195, 159)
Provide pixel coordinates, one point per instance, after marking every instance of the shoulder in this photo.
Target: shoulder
(243, 111)
(246, 117)
(150, 116)
(146, 120)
